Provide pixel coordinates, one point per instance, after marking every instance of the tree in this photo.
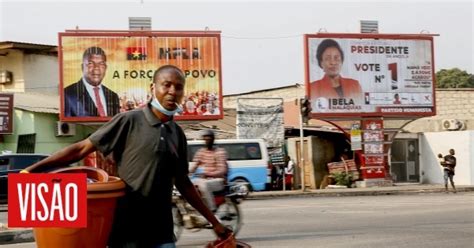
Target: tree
(454, 78)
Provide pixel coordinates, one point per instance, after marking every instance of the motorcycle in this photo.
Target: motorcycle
(228, 211)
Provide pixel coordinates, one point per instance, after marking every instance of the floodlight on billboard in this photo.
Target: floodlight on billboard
(122, 64)
(363, 75)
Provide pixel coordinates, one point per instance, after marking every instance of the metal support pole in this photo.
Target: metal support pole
(303, 184)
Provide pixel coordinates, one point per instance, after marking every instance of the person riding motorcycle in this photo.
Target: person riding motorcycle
(213, 160)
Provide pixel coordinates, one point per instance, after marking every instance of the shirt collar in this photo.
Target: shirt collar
(153, 120)
(89, 87)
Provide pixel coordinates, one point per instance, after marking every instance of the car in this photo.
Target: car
(14, 163)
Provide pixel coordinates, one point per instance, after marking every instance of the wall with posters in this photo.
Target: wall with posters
(124, 65)
(370, 75)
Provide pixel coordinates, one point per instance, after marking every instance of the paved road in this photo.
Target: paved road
(424, 220)
(429, 220)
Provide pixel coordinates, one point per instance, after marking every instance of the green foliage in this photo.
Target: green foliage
(454, 78)
(343, 178)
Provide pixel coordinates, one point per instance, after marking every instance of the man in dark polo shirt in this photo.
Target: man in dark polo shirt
(150, 150)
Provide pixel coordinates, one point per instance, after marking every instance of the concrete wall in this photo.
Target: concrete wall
(432, 143)
(13, 62)
(41, 73)
(31, 72)
(451, 104)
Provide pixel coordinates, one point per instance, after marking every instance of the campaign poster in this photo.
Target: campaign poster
(106, 73)
(370, 75)
(6, 113)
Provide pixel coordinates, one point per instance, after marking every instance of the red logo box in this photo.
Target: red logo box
(47, 200)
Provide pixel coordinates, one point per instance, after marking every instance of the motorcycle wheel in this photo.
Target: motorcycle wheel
(229, 215)
(178, 224)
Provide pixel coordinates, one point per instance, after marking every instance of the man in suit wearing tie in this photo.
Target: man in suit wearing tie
(88, 97)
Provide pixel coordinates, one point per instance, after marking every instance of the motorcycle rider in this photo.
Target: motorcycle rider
(213, 160)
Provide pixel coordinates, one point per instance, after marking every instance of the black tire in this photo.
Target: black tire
(242, 180)
(178, 224)
(229, 215)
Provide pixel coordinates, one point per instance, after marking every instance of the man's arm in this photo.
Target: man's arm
(66, 156)
(187, 189)
(197, 161)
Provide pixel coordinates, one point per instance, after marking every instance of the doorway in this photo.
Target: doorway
(405, 166)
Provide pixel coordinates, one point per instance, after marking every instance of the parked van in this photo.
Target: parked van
(247, 158)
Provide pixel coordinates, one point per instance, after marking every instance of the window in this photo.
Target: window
(242, 151)
(26, 143)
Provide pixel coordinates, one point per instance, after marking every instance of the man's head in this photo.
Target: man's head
(451, 151)
(330, 57)
(208, 137)
(168, 86)
(94, 65)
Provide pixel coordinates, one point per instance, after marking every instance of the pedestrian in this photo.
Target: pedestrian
(289, 169)
(449, 164)
(150, 150)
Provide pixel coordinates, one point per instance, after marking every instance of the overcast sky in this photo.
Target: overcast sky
(262, 42)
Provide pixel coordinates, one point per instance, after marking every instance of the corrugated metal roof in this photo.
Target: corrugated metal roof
(26, 45)
(37, 102)
(224, 129)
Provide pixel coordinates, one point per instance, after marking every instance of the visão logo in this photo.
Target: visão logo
(47, 200)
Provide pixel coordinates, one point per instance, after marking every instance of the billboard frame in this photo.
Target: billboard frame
(139, 33)
(359, 115)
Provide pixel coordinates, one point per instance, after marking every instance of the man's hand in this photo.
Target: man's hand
(221, 231)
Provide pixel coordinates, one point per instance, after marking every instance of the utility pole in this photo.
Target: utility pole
(303, 184)
(305, 112)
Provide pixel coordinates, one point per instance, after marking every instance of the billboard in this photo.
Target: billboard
(122, 65)
(6, 113)
(367, 75)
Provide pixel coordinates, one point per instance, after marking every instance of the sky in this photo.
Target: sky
(262, 41)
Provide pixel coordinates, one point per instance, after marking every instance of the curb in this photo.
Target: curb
(345, 192)
(16, 236)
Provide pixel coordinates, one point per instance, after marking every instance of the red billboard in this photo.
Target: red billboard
(364, 75)
(103, 73)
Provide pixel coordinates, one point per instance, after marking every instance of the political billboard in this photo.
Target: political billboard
(367, 75)
(103, 73)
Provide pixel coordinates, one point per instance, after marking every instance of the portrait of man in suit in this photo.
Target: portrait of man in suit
(88, 96)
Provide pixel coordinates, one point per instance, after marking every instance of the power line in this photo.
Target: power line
(262, 37)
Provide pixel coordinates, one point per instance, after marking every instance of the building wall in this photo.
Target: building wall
(41, 73)
(13, 61)
(31, 72)
(43, 125)
(432, 143)
(451, 104)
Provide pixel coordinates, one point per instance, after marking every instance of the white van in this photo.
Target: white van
(247, 158)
